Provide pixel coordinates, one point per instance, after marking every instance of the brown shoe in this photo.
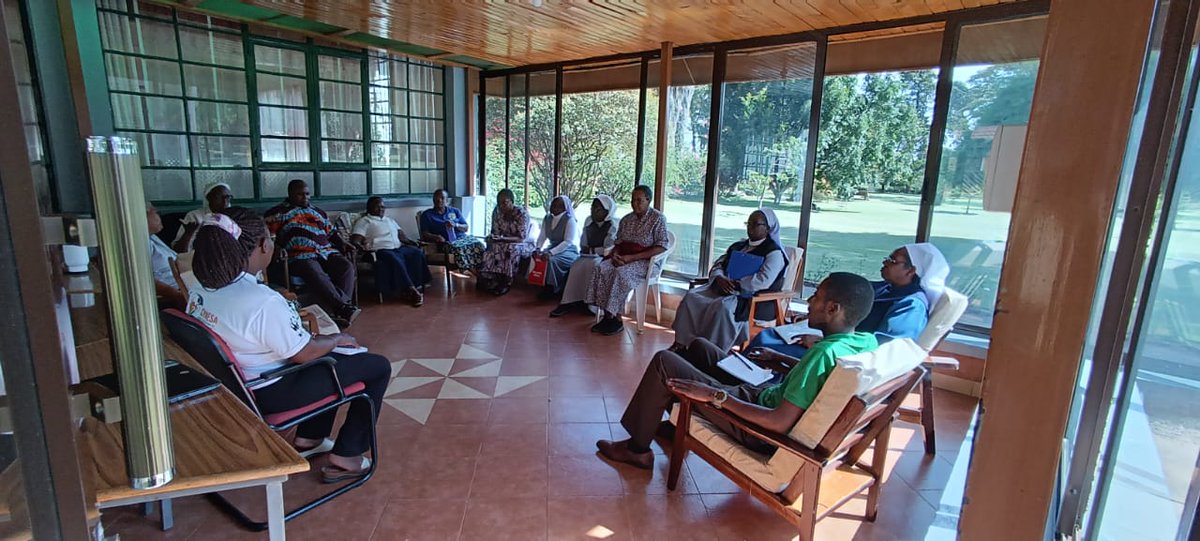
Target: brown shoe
(618, 451)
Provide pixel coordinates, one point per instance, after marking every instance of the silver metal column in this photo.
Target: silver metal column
(135, 334)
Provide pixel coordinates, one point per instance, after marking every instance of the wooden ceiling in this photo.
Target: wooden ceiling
(522, 32)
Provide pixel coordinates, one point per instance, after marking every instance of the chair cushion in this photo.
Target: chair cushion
(285, 416)
(942, 318)
(756, 466)
(854, 375)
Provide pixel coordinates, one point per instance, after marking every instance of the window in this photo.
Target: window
(599, 138)
(210, 101)
(28, 97)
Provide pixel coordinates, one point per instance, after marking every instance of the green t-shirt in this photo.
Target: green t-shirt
(802, 383)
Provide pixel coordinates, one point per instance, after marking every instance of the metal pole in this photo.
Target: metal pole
(116, 177)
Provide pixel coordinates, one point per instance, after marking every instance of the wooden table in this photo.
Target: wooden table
(220, 444)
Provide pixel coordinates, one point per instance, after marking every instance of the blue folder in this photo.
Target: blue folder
(742, 264)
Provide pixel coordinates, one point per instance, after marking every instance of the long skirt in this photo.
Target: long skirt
(706, 313)
(501, 259)
(611, 284)
(399, 269)
(467, 251)
(559, 267)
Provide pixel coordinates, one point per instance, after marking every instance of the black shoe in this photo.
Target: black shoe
(599, 327)
(566, 308)
(612, 327)
(500, 291)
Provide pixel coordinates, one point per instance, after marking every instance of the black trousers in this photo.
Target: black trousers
(310, 385)
(331, 279)
(698, 363)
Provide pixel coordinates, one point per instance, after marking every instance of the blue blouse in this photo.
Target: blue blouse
(898, 312)
(435, 224)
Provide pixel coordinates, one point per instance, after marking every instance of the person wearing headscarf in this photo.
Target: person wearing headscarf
(719, 310)
(507, 245)
(641, 235)
(217, 197)
(598, 237)
(558, 228)
(914, 278)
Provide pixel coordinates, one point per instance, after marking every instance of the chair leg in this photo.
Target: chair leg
(811, 494)
(679, 447)
(640, 303)
(657, 304)
(878, 462)
(927, 412)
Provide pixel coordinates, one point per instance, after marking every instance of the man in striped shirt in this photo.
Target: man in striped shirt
(305, 233)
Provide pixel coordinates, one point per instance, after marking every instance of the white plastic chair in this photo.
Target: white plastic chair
(653, 275)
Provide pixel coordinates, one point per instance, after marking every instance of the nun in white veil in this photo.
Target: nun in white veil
(558, 238)
(217, 197)
(719, 310)
(598, 237)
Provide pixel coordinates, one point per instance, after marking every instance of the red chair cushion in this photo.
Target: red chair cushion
(285, 416)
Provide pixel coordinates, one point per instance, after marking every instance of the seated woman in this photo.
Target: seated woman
(216, 199)
(719, 309)
(914, 276)
(446, 226)
(265, 333)
(400, 267)
(558, 228)
(641, 235)
(507, 245)
(599, 236)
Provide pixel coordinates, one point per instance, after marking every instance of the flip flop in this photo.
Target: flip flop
(325, 446)
(335, 474)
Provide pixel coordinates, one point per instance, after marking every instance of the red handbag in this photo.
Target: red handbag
(537, 274)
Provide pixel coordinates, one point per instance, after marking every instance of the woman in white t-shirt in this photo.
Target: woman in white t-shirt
(400, 267)
(264, 333)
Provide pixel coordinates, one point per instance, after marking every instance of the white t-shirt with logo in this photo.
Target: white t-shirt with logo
(261, 328)
(382, 233)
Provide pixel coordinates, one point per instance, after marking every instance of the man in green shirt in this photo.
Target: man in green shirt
(839, 304)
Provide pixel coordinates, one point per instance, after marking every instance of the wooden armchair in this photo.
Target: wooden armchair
(793, 283)
(818, 466)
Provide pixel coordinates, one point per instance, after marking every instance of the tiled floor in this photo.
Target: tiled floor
(490, 430)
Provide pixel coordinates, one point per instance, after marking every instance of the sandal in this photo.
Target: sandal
(325, 446)
(335, 474)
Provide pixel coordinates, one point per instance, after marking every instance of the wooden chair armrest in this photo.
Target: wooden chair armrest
(782, 441)
(933, 361)
(773, 296)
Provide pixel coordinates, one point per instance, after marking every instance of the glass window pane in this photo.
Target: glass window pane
(274, 183)
(388, 72)
(211, 151)
(981, 156)
(426, 105)
(134, 35)
(215, 83)
(240, 181)
(427, 131)
(388, 101)
(151, 9)
(764, 141)
(219, 118)
(142, 75)
(283, 121)
(277, 90)
(425, 77)
(427, 181)
(341, 152)
(342, 96)
(385, 181)
(162, 150)
(167, 184)
(285, 150)
(147, 112)
(389, 155)
(425, 156)
(201, 19)
(335, 183)
(869, 170)
(211, 47)
(340, 69)
(278, 60)
(341, 125)
(687, 151)
(389, 128)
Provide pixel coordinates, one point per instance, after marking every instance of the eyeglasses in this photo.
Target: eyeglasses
(756, 224)
(889, 260)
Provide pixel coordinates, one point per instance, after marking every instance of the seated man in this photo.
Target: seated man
(914, 276)
(840, 303)
(161, 255)
(306, 236)
(400, 267)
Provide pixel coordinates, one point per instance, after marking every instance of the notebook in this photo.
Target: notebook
(742, 264)
(792, 333)
(183, 382)
(741, 368)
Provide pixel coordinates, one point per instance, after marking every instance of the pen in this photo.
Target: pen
(746, 362)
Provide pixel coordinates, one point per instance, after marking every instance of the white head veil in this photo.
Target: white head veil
(773, 225)
(208, 189)
(931, 267)
(608, 203)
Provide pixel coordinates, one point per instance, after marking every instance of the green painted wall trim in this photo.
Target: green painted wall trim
(472, 61)
(238, 10)
(296, 23)
(385, 43)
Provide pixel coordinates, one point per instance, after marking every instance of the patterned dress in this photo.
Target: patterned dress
(612, 284)
(503, 258)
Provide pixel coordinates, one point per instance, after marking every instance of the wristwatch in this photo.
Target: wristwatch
(719, 398)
